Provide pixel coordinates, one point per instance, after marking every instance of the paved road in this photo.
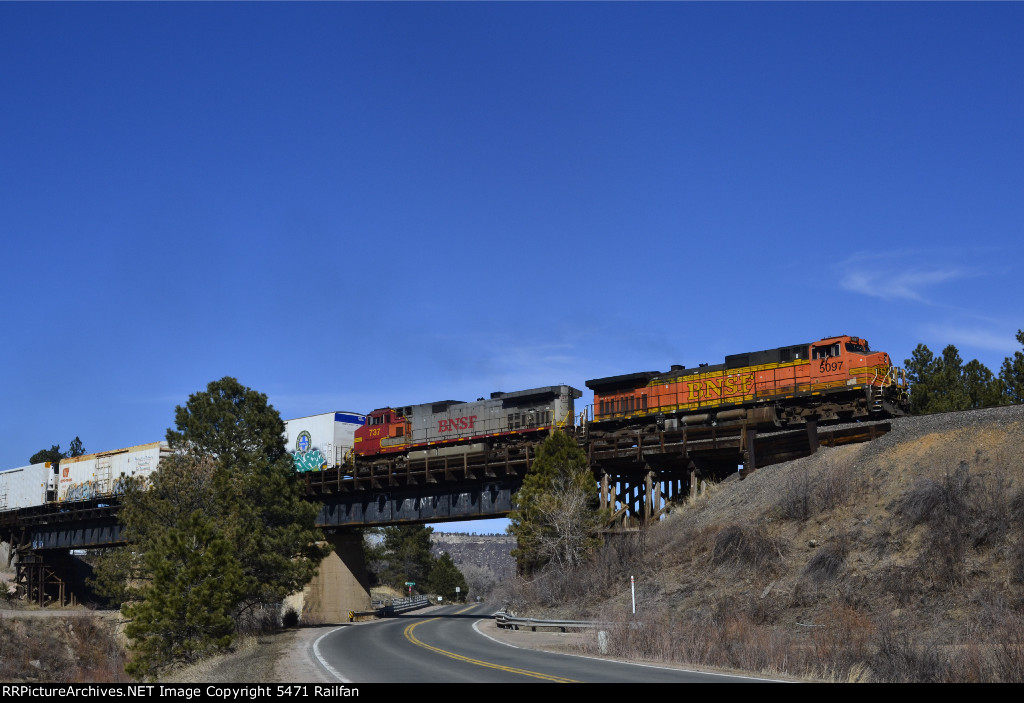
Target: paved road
(447, 645)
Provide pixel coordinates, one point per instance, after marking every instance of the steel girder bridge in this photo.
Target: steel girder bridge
(640, 474)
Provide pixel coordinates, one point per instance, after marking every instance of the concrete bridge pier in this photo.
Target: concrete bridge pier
(341, 585)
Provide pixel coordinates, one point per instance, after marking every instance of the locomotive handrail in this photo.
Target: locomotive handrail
(564, 421)
(584, 418)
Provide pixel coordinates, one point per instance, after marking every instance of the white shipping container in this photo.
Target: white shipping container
(101, 474)
(322, 441)
(25, 487)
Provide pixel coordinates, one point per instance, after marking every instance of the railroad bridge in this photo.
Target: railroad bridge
(641, 473)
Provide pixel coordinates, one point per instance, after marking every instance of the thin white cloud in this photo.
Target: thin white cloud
(888, 284)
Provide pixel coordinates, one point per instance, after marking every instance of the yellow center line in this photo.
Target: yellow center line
(458, 657)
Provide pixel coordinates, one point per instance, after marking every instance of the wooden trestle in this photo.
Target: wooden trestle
(44, 581)
(642, 472)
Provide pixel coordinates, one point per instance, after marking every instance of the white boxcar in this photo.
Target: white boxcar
(25, 487)
(324, 441)
(101, 474)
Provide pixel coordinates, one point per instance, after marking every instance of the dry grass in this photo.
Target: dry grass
(82, 649)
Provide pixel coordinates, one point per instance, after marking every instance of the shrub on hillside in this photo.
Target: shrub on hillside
(746, 548)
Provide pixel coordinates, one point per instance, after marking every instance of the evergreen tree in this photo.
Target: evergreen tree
(271, 526)
(407, 556)
(950, 393)
(54, 454)
(1012, 374)
(555, 516)
(374, 557)
(922, 368)
(981, 388)
(222, 528)
(445, 577)
(185, 611)
(76, 448)
(946, 384)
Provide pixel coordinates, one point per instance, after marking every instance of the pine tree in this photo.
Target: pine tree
(407, 556)
(185, 611)
(54, 454)
(1012, 374)
(76, 448)
(921, 367)
(945, 384)
(270, 524)
(950, 393)
(445, 577)
(981, 388)
(555, 516)
(221, 529)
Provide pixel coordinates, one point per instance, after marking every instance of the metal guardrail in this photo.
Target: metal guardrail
(510, 622)
(396, 606)
(402, 605)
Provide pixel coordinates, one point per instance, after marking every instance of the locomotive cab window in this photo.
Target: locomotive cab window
(824, 352)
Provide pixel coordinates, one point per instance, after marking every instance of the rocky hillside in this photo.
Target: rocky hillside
(900, 559)
(484, 560)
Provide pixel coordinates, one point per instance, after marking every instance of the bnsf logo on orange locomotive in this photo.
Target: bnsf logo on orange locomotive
(713, 388)
(456, 423)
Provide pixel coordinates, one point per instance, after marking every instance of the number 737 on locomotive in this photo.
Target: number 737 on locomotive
(834, 379)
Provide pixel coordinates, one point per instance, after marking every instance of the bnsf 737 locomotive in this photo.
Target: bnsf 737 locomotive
(433, 428)
(836, 378)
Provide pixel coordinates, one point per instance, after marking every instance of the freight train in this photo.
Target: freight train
(319, 442)
(835, 378)
(78, 478)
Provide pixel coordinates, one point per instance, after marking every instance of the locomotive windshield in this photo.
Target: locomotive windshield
(861, 348)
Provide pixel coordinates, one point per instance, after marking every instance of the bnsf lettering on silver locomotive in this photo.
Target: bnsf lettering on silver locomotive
(456, 423)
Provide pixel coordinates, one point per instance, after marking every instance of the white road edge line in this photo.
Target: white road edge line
(622, 661)
(316, 651)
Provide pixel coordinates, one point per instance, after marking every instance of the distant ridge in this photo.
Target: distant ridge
(485, 560)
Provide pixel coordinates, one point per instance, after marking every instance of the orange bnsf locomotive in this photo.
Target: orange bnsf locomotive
(836, 378)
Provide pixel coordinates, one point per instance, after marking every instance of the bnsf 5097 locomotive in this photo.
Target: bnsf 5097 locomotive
(451, 425)
(837, 378)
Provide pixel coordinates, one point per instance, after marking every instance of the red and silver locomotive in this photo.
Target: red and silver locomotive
(435, 427)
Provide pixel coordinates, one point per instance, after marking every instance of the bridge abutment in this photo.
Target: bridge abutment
(341, 584)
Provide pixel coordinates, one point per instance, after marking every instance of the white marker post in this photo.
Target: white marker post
(632, 592)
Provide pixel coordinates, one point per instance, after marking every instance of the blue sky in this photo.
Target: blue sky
(351, 205)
